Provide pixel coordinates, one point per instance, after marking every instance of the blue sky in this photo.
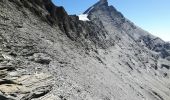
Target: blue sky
(151, 15)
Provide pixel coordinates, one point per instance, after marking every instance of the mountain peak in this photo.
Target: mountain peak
(103, 1)
(98, 5)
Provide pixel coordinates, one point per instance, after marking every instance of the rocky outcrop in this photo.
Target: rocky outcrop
(157, 45)
(38, 92)
(46, 54)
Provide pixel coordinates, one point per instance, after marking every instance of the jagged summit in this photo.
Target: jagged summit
(100, 4)
(103, 1)
(112, 19)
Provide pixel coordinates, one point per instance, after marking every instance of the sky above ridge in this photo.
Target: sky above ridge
(151, 15)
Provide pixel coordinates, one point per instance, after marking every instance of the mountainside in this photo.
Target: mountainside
(115, 21)
(46, 54)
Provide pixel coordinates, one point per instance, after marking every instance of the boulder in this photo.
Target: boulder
(42, 58)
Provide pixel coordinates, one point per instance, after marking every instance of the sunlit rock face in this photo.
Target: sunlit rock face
(46, 54)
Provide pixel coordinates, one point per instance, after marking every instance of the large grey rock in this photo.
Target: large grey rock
(42, 58)
(37, 93)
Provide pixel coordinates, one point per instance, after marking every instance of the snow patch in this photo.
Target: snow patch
(83, 17)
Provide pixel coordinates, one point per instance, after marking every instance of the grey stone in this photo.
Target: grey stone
(37, 93)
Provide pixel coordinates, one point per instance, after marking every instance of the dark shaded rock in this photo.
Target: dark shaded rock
(165, 66)
(42, 58)
(6, 81)
(37, 6)
(62, 97)
(165, 74)
(4, 98)
(164, 53)
(3, 73)
(8, 68)
(157, 95)
(38, 92)
(129, 65)
(158, 45)
(168, 58)
(167, 45)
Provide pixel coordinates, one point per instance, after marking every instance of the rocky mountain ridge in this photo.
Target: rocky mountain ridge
(115, 19)
(46, 54)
